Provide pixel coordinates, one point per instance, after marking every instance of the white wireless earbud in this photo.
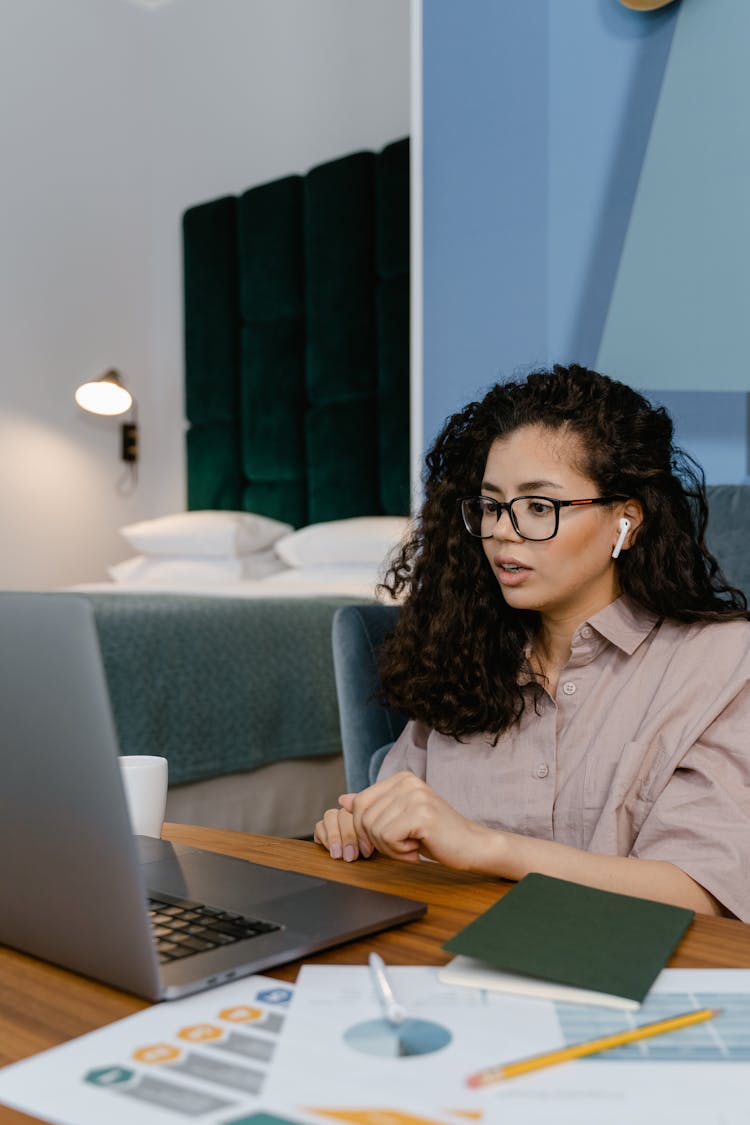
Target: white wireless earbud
(624, 529)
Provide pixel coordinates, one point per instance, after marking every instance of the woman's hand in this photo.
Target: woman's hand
(337, 834)
(404, 818)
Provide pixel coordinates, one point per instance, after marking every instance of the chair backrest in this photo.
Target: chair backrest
(368, 729)
(728, 534)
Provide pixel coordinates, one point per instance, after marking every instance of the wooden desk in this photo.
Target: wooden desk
(41, 1005)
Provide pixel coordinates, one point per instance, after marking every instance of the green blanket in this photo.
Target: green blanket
(219, 684)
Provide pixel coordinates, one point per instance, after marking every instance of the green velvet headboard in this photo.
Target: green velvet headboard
(297, 343)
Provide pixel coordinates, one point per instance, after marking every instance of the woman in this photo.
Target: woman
(576, 669)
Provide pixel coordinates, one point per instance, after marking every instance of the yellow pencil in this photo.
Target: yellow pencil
(578, 1050)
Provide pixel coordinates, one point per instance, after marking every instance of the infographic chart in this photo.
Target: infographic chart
(261, 1052)
(203, 1058)
(725, 1038)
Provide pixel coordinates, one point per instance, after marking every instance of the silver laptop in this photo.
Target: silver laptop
(78, 889)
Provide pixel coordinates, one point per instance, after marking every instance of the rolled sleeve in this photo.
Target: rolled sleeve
(409, 752)
(700, 821)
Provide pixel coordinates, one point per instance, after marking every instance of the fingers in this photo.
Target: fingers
(391, 814)
(336, 832)
(404, 817)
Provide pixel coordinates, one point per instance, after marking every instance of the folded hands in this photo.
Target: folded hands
(402, 817)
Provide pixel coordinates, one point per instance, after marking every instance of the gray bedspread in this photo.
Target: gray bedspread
(219, 684)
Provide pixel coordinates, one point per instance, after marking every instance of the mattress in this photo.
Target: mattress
(220, 684)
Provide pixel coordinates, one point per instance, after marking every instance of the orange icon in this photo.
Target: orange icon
(241, 1014)
(157, 1053)
(200, 1033)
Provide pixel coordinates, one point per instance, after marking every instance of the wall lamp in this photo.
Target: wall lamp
(109, 396)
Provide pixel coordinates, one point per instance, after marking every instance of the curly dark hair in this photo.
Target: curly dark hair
(458, 649)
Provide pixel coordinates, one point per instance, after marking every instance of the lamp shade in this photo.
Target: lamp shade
(105, 395)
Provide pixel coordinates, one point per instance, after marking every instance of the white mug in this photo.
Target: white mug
(144, 779)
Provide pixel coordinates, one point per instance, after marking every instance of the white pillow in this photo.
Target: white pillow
(183, 571)
(210, 534)
(362, 540)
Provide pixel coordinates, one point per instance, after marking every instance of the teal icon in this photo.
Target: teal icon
(109, 1076)
(261, 1118)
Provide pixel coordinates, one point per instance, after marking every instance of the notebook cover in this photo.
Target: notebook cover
(468, 973)
(554, 930)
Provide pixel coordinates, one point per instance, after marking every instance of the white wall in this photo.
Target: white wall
(121, 118)
(73, 275)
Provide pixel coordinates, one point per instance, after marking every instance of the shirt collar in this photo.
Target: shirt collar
(624, 623)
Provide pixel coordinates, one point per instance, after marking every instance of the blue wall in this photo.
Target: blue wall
(678, 315)
(536, 121)
(606, 66)
(714, 428)
(485, 98)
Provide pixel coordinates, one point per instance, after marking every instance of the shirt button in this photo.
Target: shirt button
(569, 688)
(541, 771)
(586, 632)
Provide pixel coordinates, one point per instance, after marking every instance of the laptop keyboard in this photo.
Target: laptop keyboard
(182, 928)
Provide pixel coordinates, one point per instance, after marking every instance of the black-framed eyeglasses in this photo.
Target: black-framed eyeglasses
(534, 517)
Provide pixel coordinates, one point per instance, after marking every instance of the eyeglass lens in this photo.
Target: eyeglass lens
(534, 517)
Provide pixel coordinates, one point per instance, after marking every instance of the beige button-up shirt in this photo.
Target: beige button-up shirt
(645, 751)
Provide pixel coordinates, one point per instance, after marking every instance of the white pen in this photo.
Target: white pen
(395, 1012)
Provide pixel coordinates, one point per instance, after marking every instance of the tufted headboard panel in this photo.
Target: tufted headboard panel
(297, 343)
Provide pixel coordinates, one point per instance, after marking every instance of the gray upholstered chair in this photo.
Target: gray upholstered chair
(728, 532)
(368, 729)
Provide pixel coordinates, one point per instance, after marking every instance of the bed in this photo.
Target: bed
(216, 643)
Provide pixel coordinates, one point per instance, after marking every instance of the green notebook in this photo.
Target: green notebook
(561, 940)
